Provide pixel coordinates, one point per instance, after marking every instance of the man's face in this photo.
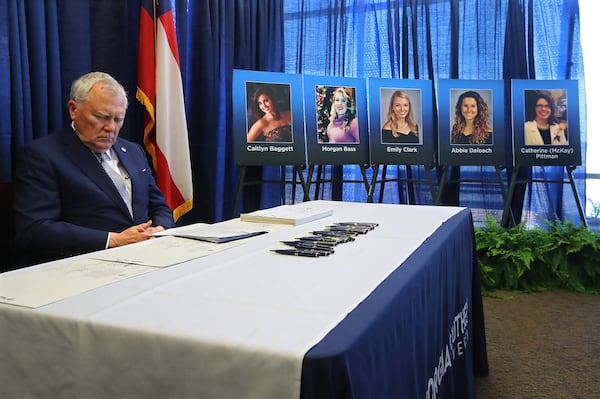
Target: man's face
(98, 119)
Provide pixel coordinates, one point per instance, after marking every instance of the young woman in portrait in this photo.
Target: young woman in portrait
(343, 124)
(272, 125)
(400, 126)
(471, 120)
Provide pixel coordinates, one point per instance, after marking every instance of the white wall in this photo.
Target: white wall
(589, 11)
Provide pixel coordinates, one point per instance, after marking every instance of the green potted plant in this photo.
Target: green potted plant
(558, 255)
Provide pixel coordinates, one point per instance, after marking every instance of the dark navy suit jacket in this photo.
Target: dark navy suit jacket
(65, 201)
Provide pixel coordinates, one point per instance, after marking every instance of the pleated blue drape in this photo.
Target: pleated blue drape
(446, 39)
(45, 44)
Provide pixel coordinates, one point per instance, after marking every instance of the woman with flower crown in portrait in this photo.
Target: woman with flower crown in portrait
(272, 124)
(400, 126)
(343, 124)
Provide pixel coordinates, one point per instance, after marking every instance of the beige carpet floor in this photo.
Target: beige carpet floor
(541, 345)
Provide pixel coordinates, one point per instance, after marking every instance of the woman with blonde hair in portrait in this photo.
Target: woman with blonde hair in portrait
(400, 126)
(343, 124)
(471, 120)
(272, 125)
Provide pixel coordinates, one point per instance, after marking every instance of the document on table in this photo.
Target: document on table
(217, 233)
(170, 250)
(40, 286)
(162, 252)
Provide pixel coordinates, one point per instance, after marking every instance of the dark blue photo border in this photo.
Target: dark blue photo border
(492, 153)
(565, 92)
(290, 152)
(317, 92)
(420, 93)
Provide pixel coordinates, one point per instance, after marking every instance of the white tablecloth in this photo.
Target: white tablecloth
(231, 325)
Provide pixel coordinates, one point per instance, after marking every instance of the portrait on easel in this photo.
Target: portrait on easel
(335, 109)
(269, 117)
(471, 115)
(471, 122)
(337, 120)
(401, 122)
(401, 116)
(546, 126)
(545, 117)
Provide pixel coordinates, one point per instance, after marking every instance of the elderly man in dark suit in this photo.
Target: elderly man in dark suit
(83, 188)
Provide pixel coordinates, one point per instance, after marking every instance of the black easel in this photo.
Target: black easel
(514, 180)
(294, 182)
(408, 180)
(320, 180)
(499, 181)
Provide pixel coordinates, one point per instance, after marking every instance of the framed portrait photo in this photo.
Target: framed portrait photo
(401, 122)
(268, 118)
(546, 129)
(471, 122)
(336, 120)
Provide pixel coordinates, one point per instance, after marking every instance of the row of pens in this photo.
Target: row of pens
(322, 242)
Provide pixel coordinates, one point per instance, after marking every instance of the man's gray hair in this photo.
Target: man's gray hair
(81, 86)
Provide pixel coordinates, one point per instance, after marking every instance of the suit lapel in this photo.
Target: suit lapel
(88, 164)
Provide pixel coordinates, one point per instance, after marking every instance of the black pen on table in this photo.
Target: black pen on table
(370, 225)
(329, 240)
(343, 237)
(309, 245)
(352, 230)
(300, 252)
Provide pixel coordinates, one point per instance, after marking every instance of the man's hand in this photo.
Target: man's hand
(140, 232)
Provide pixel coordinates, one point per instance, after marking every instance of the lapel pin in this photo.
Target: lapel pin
(123, 149)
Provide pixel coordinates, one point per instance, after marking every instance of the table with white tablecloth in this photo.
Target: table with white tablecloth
(396, 313)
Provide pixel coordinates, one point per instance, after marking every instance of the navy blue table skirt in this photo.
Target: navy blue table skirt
(420, 334)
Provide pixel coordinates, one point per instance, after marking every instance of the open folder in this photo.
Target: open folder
(211, 232)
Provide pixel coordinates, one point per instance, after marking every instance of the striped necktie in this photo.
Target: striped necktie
(116, 177)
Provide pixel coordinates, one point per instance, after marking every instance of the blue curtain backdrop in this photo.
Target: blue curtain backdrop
(445, 39)
(45, 44)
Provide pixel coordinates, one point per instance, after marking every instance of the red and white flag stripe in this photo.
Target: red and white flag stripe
(160, 89)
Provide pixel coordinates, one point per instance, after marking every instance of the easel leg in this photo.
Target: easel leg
(570, 170)
(431, 186)
(382, 186)
(438, 199)
(295, 174)
(318, 182)
(410, 186)
(363, 171)
(373, 182)
(305, 186)
(311, 170)
(504, 194)
(238, 193)
(508, 201)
